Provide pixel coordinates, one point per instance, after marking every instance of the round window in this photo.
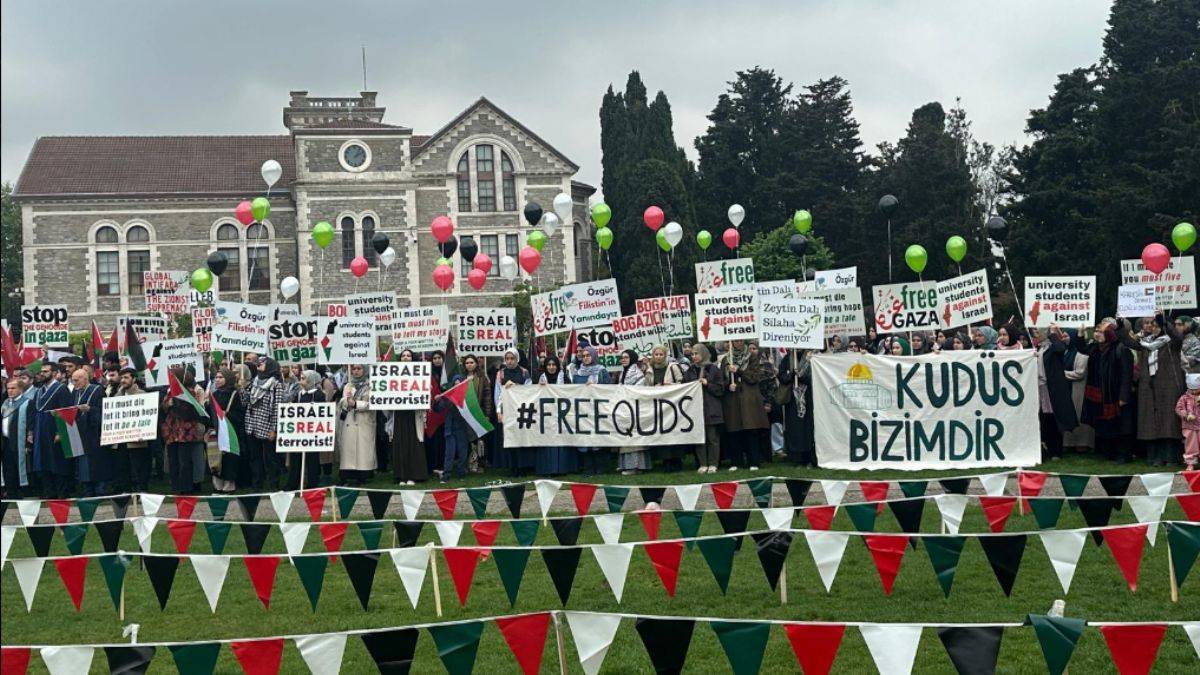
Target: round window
(355, 156)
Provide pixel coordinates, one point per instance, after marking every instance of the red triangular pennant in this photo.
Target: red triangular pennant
(261, 569)
(259, 657)
(1190, 505)
(462, 563)
(1134, 647)
(184, 506)
(1125, 543)
(997, 510)
(59, 508)
(819, 517)
(315, 500)
(14, 660)
(723, 494)
(526, 637)
(583, 494)
(72, 571)
(665, 555)
(887, 550)
(446, 501)
(651, 520)
(485, 531)
(875, 491)
(1030, 484)
(182, 531)
(815, 646)
(1193, 479)
(332, 535)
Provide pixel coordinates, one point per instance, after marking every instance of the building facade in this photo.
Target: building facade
(98, 211)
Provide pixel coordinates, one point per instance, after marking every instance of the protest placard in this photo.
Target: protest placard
(128, 419)
(167, 291)
(337, 310)
(203, 320)
(1066, 301)
(900, 308)
(726, 314)
(305, 427)
(784, 288)
(843, 313)
(844, 277)
(965, 299)
(45, 325)
(345, 341)
(487, 331)
(207, 298)
(404, 385)
(604, 341)
(241, 327)
(1175, 288)
(676, 314)
(1135, 301)
(283, 310)
(379, 307)
(594, 303)
(421, 329)
(292, 340)
(790, 322)
(549, 313)
(734, 273)
(607, 416)
(162, 355)
(640, 332)
(147, 328)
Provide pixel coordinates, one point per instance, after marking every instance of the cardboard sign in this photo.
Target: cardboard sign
(127, 419)
(306, 427)
(900, 308)
(791, 323)
(203, 320)
(735, 273)
(676, 313)
(575, 415)
(345, 341)
(487, 332)
(1135, 301)
(162, 355)
(726, 314)
(1066, 301)
(241, 327)
(594, 303)
(843, 313)
(283, 310)
(640, 332)
(404, 385)
(845, 277)
(1175, 288)
(293, 340)
(379, 307)
(604, 341)
(207, 298)
(785, 288)
(421, 329)
(965, 300)
(147, 328)
(45, 325)
(168, 292)
(337, 310)
(549, 313)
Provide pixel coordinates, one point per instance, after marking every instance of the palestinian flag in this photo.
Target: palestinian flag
(463, 396)
(68, 431)
(227, 440)
(96, 348)
(572, 348)
(176, 391)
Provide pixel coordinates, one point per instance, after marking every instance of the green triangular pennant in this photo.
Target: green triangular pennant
(744, 643)
(944, 553)
(511, 562)
(525, 531)
(75, 534)
(218, 534)
(689, 525)
(914, 488)
(1057, 637)
(479, 497)
(718, 553)
(87, 509)
(1073, 486)
(457, 645)
(114, 567)
(311, 569)
(615, 497)
(1184, 541)
(1046, 511)
(196, 658)
(761, 489)
(862, 515)
(218, 506)
(345, 500)
(371, 533)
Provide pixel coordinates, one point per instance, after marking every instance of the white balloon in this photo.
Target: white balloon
(289, 287)
(673, 233)
(387, 257)
(271, 172)
(508, 267)
(550, 223)
(563, 207)
(736, 214)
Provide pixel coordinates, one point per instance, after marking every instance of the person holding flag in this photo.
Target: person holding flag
(228, 413)
(55, 470)
(94, 466)
(465, 421)
(183, 429)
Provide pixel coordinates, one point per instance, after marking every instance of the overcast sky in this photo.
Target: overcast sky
(223, 67)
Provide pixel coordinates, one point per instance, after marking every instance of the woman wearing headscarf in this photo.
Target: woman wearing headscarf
(1160, 383)
(291, 382)
(263, 397)
(898, 346)
(183, 433)
(1190, 349)
(435, 440)
(743, 407)
(1008, 337)
(408, 442)
(920, 344)
(356, 428)
(799, 432)
(308, 391)
(632, 459)
(592, 461)
(960, 342)
(1109, 392)
(983, 337)
(1075, 367)
(556, 460)
(712, 383)
(473, 370)
(227, 395)
(1056, 408)
(520, 460)
(661, 371)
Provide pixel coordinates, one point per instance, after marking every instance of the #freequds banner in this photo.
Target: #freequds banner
(607, 416)
(948, 411)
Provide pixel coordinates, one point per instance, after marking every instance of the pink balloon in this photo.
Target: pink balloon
(477, 278)
(443, 277)
(358, 266)
(243, 213)
(731, 238)
(1156, 258)
(653, 217)
(442, 228)
(483, 262)
(530, 258)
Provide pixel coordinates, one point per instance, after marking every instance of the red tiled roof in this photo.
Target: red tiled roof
(418, 141)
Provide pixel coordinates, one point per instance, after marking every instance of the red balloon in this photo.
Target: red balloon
(358, 266)
(477, 278)
(653, 217)
(442, 228)
(731, 238)
(1156, 258)
(443, 277)
(483, 262)
(243, 213)
(530, 258)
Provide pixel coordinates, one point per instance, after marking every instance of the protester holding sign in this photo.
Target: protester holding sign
(558, 459)
(799, 440)
(230, 400)
(356, 428)
(309, 392)
(1056, 411)
(435, 441)
(632, 458)
(520, 460)
(744, 409)
(712, 382)
(1160, 384)
(408, 442)
(661, 371)
(1108, 392)
(263, 397)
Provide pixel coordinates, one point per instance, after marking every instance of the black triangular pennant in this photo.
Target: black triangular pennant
(908, 513)
(1115, 486)
(131, 660)
(567, 530)
(972, 649)
(798, 490)
(40, 536)
(1004, 554)
(392, 650)
(667, 642)
(379, 500)
(734, 522)
(110, 534)
(3, 510)
(120, 506)
(652, 495)
(161, 570)
(407, 533)
(360, 567)
(562, 564)
(514, 495)
(249, 504)
(956, 486)
(772, 553)
(1097, 511)
(254, 534)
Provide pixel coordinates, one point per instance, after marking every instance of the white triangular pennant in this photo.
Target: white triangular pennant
(150, 503)
(610, 525)
(282, 502)
(294, 536)
(1157, 484)
(1148, 509)
(827, 549)
(593, 634)
(29, 510)
(613, 560)
(210, 572)
(144, 528)
(411, 500)
(834, 490)
(892, 646)
(1193, 633)
(993, 483)
(688, 495)
(411, 564)
(322, 653)
(778, 518)
(7, 534)
(1063, 547)
(951, 507)
(546, 491)
(68, 660)
(29, 572)
(449, 531)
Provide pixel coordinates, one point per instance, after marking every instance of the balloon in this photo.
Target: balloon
(443, 277)
(564, 207)
(444, 261)
(322, 234)
(530, 259)
(260, 208)
(468, 249)
(202, 279)
(704, 239)
(601, 214)
(244, 213)
(537, 239)
(997, 227)
(1156, 258)
(380, 242)
(358, 266)
(289, 287)
(916, 257)
(802, 221)
(477, 278)
(217, 262)
(1184, 235)
(731, 238)
(533, 213)
(661, 238)
(508, 267)
(887, 205)
(736, 215)
(449, 247)
(673, 233)
(604, 238)
(653, 218)
(956, 248)
(798, 244)
(550, 223)
(271, 171)
(483, 262)
(387, 257)
(217, 356)
(442, 228)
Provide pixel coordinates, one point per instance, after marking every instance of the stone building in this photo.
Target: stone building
(99, 210)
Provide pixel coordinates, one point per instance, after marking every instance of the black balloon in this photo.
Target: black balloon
(997, 227)
(469, 249)
(810, 274)
(533, 213)
(380, 242)
(799, 244)
(217, 262)
(449, 247)
(887, 205)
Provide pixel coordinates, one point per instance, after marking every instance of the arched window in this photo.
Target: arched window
(137, 260)
(485, 177)
(509, 182)
(347, 227)
(368, 233)
(137, 234)
(106, 235)
(258, 257)
(227, 243)
(463, 175)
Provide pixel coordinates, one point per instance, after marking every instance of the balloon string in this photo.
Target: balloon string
(661, 280)
(257, 240)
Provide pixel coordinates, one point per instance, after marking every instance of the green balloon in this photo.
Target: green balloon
(536, 239)
(661, 238)
(322, 234)
(202, 279)
(1184, 235)
(217, 357)
(802, 221)
(601, 214)
(261, 208)
(916, 257)
(443, 261)
(704, 239)
(956, 248)
(604, 237)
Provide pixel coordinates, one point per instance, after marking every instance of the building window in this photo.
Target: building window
(485, 177)
(137, 263)
(509, 182)
(348, 254)
(368, 233)
(137, 234)
(106, 235)
(463, 174)
(465, 266)
(227, 233)
(354, 156)
(231, 280)
(258, 257)
(490, 244)
(512, 245)
(108, 272)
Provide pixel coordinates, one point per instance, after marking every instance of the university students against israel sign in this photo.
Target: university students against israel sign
(345, 341)
(305, 427)
(127, 419)
(421, 329)
(726, 314)
(1066, 301)
(900, 308)
(162, 355)
(724, 274)
(241, 327)
(401, 385)
(44, 325)
(965, 300)
(676, 314)
(604, 415)
(379, 307)
(1175, 288)
(953, 410)
(486, 332)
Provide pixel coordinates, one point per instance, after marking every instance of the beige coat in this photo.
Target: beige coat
(356, 431)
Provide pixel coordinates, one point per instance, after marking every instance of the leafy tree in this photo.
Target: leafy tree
(12, 276)
(773, 260)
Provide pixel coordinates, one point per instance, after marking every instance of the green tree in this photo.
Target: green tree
(773, 260)
(12, 276)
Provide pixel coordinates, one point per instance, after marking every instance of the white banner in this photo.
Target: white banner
(734, 273)
(640, 332)
(203, 320)
(784, 288)
(306, 427)
(1175, 287)
(162, 355)
(1066, 301)
(45, 325)
(549, 312)
(965, 300)
(845, 277)
(486, 332)
(293, 340)
(952, 410)
(421, 329)
(900, 308)
(726, 314)
(401, 385)
(209, 297)
(379, 307)
(676, 314)
(241, 327)
(791, 323)
(1135, 301)
(603, 415)
(167, 291)
(127, 419)
(345, 341)
(594, 303)
(148, 328)
(843, 311)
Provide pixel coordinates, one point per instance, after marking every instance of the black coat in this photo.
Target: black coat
(713, 413)
(1058, 386)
